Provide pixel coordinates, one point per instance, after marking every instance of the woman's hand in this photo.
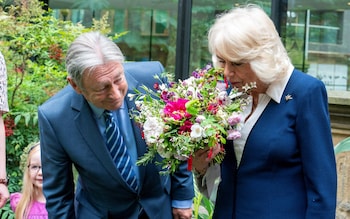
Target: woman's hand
(202, 158)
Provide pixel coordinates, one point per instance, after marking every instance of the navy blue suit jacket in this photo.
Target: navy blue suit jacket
(288, 167)
(69, 135)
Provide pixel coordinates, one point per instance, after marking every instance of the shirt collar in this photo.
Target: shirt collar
(276, 88)
(98, 112)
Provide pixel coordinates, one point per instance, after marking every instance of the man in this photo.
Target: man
(73, 131)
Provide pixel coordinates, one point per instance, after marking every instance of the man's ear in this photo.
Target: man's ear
(74, 85)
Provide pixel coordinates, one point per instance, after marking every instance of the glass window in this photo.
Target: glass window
(326, 26)
(203, 15)
(315, 39)
(151, 26)
(314, 32)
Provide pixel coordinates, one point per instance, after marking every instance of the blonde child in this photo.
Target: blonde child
(30, 203)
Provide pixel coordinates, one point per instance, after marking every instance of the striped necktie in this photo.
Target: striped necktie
(118, 151)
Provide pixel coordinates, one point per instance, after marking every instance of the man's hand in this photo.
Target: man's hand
(182, 213)
(4, 195)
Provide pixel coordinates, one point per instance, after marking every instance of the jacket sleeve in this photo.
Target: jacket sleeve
(58, 184)
(317, 152)
(182, 187)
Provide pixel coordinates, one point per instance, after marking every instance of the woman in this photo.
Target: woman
(283, 166)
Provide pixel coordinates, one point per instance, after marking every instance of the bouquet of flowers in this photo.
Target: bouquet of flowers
(177, 119)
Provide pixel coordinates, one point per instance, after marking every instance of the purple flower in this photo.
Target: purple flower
(208, 67)
(196, 74)
(171, 84)
(199, 96)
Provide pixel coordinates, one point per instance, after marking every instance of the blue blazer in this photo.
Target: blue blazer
(288, 167)
(69, 135)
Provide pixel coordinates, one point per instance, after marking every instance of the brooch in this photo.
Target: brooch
(288, 97)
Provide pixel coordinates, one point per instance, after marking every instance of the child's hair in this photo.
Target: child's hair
(29, 191)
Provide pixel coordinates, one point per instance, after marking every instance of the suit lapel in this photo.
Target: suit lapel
(90, 133)
(140, 143)
(132, 85)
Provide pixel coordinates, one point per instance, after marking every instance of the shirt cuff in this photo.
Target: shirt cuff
(182, 203)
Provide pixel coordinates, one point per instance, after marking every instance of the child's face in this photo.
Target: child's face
(36, 175)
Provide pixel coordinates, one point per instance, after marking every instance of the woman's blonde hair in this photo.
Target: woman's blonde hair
(29, 191)
(247, 35)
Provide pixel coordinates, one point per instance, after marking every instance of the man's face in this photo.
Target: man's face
(105, 86)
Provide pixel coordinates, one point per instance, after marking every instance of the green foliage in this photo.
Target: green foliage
(203, 208)
(33, 43)
(6, 213)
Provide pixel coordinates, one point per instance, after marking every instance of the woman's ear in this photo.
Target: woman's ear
(74, 85)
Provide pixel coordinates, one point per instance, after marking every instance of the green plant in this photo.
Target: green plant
(203, 208)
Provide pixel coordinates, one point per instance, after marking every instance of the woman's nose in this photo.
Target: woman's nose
(228, 70)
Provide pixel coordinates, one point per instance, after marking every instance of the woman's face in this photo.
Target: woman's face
(35, 172)
(240, 74)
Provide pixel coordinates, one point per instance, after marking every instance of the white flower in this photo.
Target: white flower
(223, 116)
(252, 85)
(131, 96)
(138, 104)
(189, 82)
(152, 128)
(223, 96)
(246, 87)
(196, 131)
(162, 87)
(191, 92)
(221, 86)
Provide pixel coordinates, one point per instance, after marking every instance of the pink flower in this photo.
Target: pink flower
(186, 127)
(176, 109)
(234, 119)
(156, 86)
(164, 95)
(213, 108)
(233, 134)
